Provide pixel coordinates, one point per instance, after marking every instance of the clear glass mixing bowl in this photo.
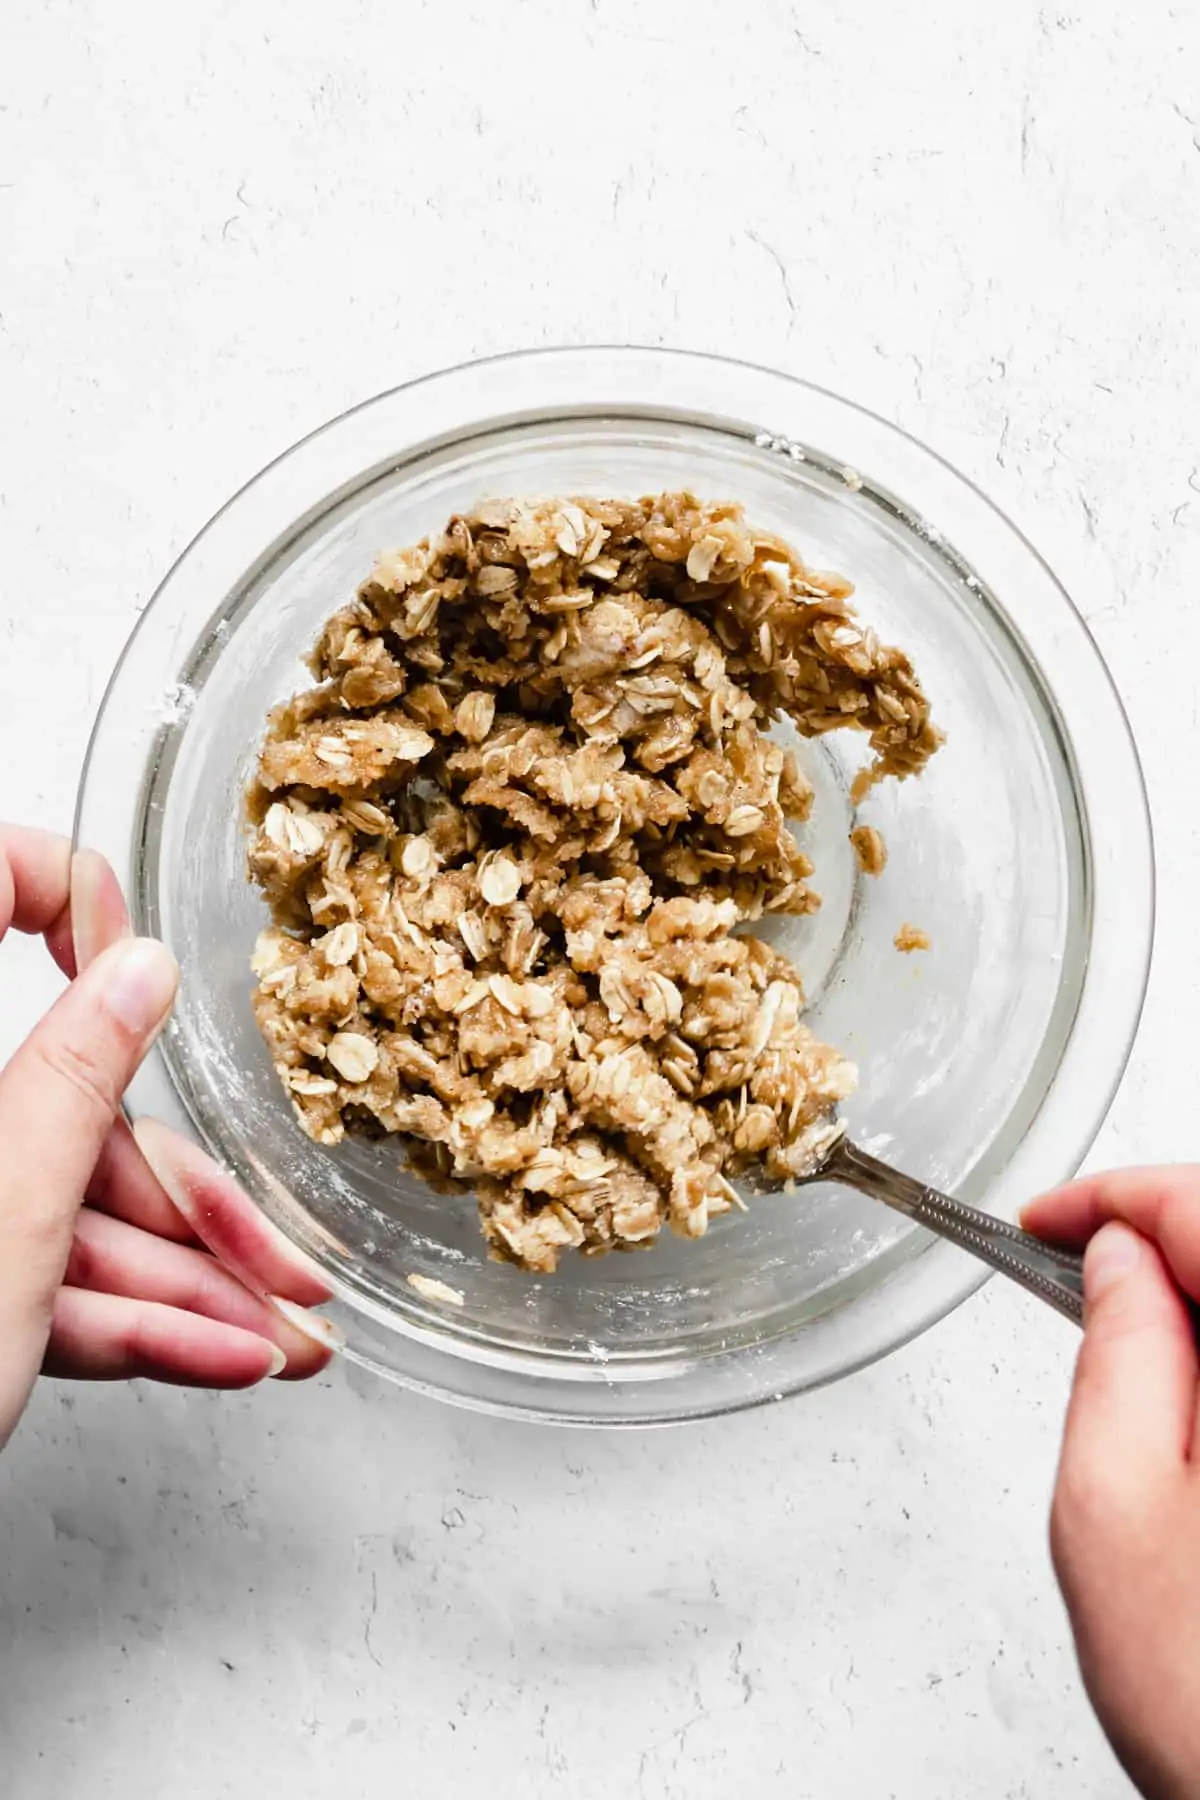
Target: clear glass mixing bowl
(986, 1064)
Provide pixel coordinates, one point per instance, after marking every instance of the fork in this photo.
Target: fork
(1054, 1275)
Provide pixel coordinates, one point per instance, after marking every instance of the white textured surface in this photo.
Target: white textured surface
(221, 224)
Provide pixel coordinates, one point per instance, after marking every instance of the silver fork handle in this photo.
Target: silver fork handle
(1054, 1275)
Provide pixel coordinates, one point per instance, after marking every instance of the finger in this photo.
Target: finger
(1162, 1204)
(35, 879)
(110, 1257)
(61, 944)
(124, 1186)
(98, 913)
(106, 1337)
(1130, 1419)
(58, 1098)
(226, 1219)
(75, 903)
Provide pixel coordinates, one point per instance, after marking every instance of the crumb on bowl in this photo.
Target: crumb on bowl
(430, 1288)
(869, 849)
(910, 938)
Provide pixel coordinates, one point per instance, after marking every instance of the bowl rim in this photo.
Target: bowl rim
(651, 381)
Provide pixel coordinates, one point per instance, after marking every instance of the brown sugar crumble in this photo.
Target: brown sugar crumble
(869, 849)
(910, 938)
(506, 840)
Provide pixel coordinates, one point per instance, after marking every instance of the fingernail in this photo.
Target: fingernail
(98, 915)
(138, 979)
(310, 1324)
(277, 1364)
(1110, 1256)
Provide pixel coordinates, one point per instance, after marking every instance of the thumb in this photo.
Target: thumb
(1130, 1419)
(58, 1098)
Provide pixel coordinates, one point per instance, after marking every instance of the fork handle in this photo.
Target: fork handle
(1054, 1275)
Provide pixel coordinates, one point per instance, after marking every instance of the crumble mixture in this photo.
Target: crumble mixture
(910, 938)
(506, 840)
(870, 851)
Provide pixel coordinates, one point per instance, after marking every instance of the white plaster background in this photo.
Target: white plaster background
(220, 224)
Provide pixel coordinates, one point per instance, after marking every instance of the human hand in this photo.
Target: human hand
(1125, 1526)
(122, 1253)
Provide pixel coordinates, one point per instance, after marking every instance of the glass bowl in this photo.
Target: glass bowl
(1024, 852)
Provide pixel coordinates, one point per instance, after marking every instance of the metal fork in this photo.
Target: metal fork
(1054, 1275)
